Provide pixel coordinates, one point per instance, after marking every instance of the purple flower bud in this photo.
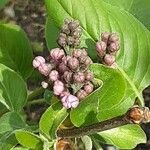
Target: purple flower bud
(57, 54)
(73, 63)
(89, 76)
(114, 47)
(88, 61)
(88, 87)
(54, 75)
(105, 36)
(81, 94)
(70, 40)
(113, 38)
(109, 59)
(65, 93)
(44, 84)
(77, 33)
(62, 40)
(101, 48)
(84, 52)
(67, 76)
(73, 25)
(70, 101)
(65, 29)
(77, 53)
(62, 67)
(65, 59)
(58, 87)
(79, 77)
(44, 69)
(38, 61)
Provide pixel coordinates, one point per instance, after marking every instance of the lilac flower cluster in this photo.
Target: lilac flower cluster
(108, 47)
(67, 73)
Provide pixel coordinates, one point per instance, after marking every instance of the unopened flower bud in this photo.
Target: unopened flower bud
(73, 63)
(88, 61)
(79, 77)
(109, 59)
(84, 52)
(114, 47)
(57, 54)
(62, 40)
(65, 29)
(77, 33)
(62, 67)
(82, 59)
(67, 76)
(44, 69)
(88, 88)
(81, 94)
(105, 36)
(65, 59)
(54, 75)
(44, 84)
(70, 40)
(58, 87)
(73, 25)
(101, 48)
(89, 76)
(113, 37)
(70, 101)
(64, 93)
(38, 61)
(76, 42)
(77, 53)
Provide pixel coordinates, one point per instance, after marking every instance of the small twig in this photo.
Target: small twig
(35, 93)
(135, 115)
(94, 128)
(35, 102)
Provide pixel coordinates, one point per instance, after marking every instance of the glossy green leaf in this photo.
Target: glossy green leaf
(15, 49)
(29, 140)
(3, 3)
(20, 148)
(51, 119)
(11, 121)
(102, 101)
(7, 141)
(140, 9)
(95, 17)
(13, 92)
(124, 137)
(48, 95)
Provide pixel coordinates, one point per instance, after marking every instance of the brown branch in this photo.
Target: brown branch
(134, 115)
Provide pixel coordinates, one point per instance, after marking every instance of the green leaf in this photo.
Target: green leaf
(51, 33)
(29, 140)
(103, 100)
(20, 148)
(124, 137)
(3, 3)
(15, 49)
(7, 141)
(140, 9)
(11, 121)
(48, 95)
(51, 120)
(95, 17)
(13, 92)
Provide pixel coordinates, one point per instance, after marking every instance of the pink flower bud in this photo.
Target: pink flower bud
(105, 36)
(58, 87)
(65, 93)
(44, 69)
(89, 76)
(65, 59)
(109, 59)
(67, 76)
(88, 61)
(79, 77)
(81, 94)
(101, 48)
(88, 88)
(44, 84)
(57, 54)
(38, 61)
(54, 75)
(73, 63)
(113, 38)
(62, 67)
(114, 47)
(70, 101)
(77, 53)
(84, 52)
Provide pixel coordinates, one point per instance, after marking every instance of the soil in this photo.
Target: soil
(31, 16)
